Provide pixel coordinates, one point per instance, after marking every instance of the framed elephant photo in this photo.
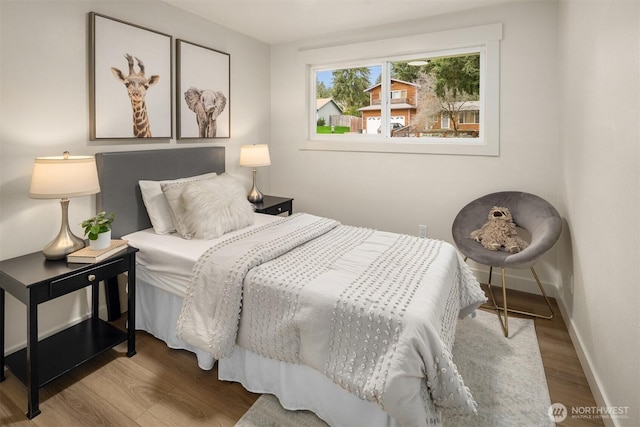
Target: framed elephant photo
(203, 85)
(130, 81)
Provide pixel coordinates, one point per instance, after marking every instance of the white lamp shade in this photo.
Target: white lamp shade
(64, 176)
(255, 155)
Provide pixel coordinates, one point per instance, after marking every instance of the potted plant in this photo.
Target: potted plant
(98, 230)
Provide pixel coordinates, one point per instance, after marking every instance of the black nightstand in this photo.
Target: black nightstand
(272, 205)
(33, 280)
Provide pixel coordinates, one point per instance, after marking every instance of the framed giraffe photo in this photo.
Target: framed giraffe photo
(202, 95)
(130, 80)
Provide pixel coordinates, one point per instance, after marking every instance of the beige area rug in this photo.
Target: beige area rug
(505, 375)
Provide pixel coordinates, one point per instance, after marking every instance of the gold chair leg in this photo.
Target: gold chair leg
(546, 298)
(505, 311)
(504, 316)
(505, 323)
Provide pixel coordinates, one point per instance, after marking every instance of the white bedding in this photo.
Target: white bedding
(306, 288)
(375, 312)
(167, 260)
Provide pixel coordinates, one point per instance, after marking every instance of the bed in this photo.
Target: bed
(301, 307)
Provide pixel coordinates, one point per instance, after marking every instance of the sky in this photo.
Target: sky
(326, 76)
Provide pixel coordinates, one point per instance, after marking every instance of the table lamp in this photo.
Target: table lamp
(254, 156)
(62, 177)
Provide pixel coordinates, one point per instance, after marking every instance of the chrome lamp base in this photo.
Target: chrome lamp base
(255, 195)
(65, 242)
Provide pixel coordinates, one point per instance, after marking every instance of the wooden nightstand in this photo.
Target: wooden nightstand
(272, 205)
(33, 280)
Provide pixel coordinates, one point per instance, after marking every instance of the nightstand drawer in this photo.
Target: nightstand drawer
(276, 210)
(273, 205)
(87, 277)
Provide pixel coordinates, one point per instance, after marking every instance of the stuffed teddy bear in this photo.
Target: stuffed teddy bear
(499, 232)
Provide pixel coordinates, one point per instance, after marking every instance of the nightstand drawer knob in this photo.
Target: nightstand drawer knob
(91, 277)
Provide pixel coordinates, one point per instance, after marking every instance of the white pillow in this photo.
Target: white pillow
(216, 207)
(211, 208)
(173, 195)
(157, 207)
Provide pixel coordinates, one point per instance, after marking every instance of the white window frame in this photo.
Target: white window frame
(484, 39)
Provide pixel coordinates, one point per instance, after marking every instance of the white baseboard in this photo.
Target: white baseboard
(54, 329)
(47, 333)
(587, 366)
(517, 283)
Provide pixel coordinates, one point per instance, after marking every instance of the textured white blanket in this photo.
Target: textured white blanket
(211, 309)
(375, 312)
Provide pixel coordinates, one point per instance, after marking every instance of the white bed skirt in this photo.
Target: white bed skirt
(296, 386)
(157, 313)
(300, 387)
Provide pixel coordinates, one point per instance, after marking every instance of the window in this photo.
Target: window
(444, 87)
(469, 117)
(428, 99)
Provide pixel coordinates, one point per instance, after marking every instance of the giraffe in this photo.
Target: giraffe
(137, 85)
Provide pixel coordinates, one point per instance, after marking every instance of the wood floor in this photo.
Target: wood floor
(164, 387)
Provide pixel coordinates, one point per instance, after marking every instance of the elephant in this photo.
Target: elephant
(208, 105)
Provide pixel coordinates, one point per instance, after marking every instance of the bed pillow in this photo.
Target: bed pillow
(157, 207)
(173, 195)
(215, 207)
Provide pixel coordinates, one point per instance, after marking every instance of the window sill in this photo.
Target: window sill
(453, 146)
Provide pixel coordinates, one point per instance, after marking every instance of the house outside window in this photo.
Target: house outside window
(327, 112)
(403, 107)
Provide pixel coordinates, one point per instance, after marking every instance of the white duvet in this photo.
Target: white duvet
(375, 312)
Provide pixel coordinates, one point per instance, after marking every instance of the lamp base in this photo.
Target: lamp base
(255, 195)
(65, 242)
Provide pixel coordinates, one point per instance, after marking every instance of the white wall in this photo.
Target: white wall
(44, 108)
(397, 192)
(598, 55)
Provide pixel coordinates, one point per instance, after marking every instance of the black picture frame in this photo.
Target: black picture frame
(203, 98)
(131, 81)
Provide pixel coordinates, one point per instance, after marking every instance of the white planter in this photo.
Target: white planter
(102, 242)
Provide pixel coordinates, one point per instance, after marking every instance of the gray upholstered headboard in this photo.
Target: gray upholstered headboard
(119, 173)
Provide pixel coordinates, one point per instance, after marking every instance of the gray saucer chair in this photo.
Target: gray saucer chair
(532, 213)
